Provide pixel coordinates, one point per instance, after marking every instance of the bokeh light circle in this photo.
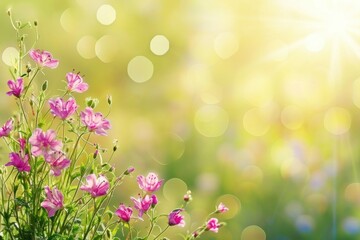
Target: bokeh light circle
(86, 47)
(351, 225)
(304, 223)
(253, 232)
(226, 45)
(106, 48)
(159, 45)
(174, 189)
(9, 56)
(255, 122)
(211, 121)
(292, 117)
(337, 120)
(106, 14)
(140, 69)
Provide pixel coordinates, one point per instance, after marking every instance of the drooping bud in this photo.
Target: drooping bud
(129, 170)
(44, 86)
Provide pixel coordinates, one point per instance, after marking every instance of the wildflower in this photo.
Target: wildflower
(213, 225)
(53, 202)
(62, 109)
(142, 204)
(21, 163)
(150, 183)
(94, 121)
(6, 129)
(187, 196)
(221, 208)
(57, 161)
(44, 143)
(154, 200)
(16, 87)
(43, 58)
(96, 186)
(175, 218)
(76, 83)
(124, 213)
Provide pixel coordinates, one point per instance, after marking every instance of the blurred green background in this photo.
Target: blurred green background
(250, 103)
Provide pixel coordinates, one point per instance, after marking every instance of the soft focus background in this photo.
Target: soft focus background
(250, 103)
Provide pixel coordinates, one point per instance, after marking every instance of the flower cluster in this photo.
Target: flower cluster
(53, 186)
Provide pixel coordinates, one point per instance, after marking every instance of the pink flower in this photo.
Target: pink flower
(94, 121)
(154, 200)
(57, 161)
(96, 186)
(221, 208)
(76, 83)
(150, 184)
(16, 87)
(44, 143)
(6, 129)
(21, 163)
(142, 204)
(43, 58)
(175, 218)
(124, 213)
(62, 109)
(53, 202)
(213, 225)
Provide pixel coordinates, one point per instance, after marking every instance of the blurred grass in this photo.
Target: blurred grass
(247, 105)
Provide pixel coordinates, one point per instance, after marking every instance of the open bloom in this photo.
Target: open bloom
(96, 186)
(150, 183)
(43, 58)
(57, 161)
(142, 204)
(53, 202)
(21, 163)
(6, 129)
(124, 213)
(221, 208)
(175, 218)
(16, 87)
(62, 109)
(43, 143)
(94, 121)
(76, 83)
(213, 225)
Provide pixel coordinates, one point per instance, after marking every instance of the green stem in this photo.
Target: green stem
(162, 232)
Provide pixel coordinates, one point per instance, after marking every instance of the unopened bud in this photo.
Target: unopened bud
(9, 12)
(95, 154)
(44, 86)
(129, 170)
(187, 196)
(109, 99)
(35, 23)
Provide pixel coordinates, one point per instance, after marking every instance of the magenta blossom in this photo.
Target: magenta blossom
(6, 129)
(221, 208)
(213, 225)
(154, 200)
(76, 83)
(175, 218)
(43, 58)
(57, 161)
(62, 109)
(142, 204)
(16, 87)
(44, 143)
(150, 184)
(124, 213)
(21, 163)
(96, 186)
(94, 121)
(53, 202)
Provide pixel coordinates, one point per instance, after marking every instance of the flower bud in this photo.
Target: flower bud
(154, 200)
(187, 196)
(109, 99)
(44, 86)
(9, 12)
(129, 170)
(35, 23)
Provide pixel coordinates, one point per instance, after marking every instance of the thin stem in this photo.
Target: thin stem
(162, 232)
